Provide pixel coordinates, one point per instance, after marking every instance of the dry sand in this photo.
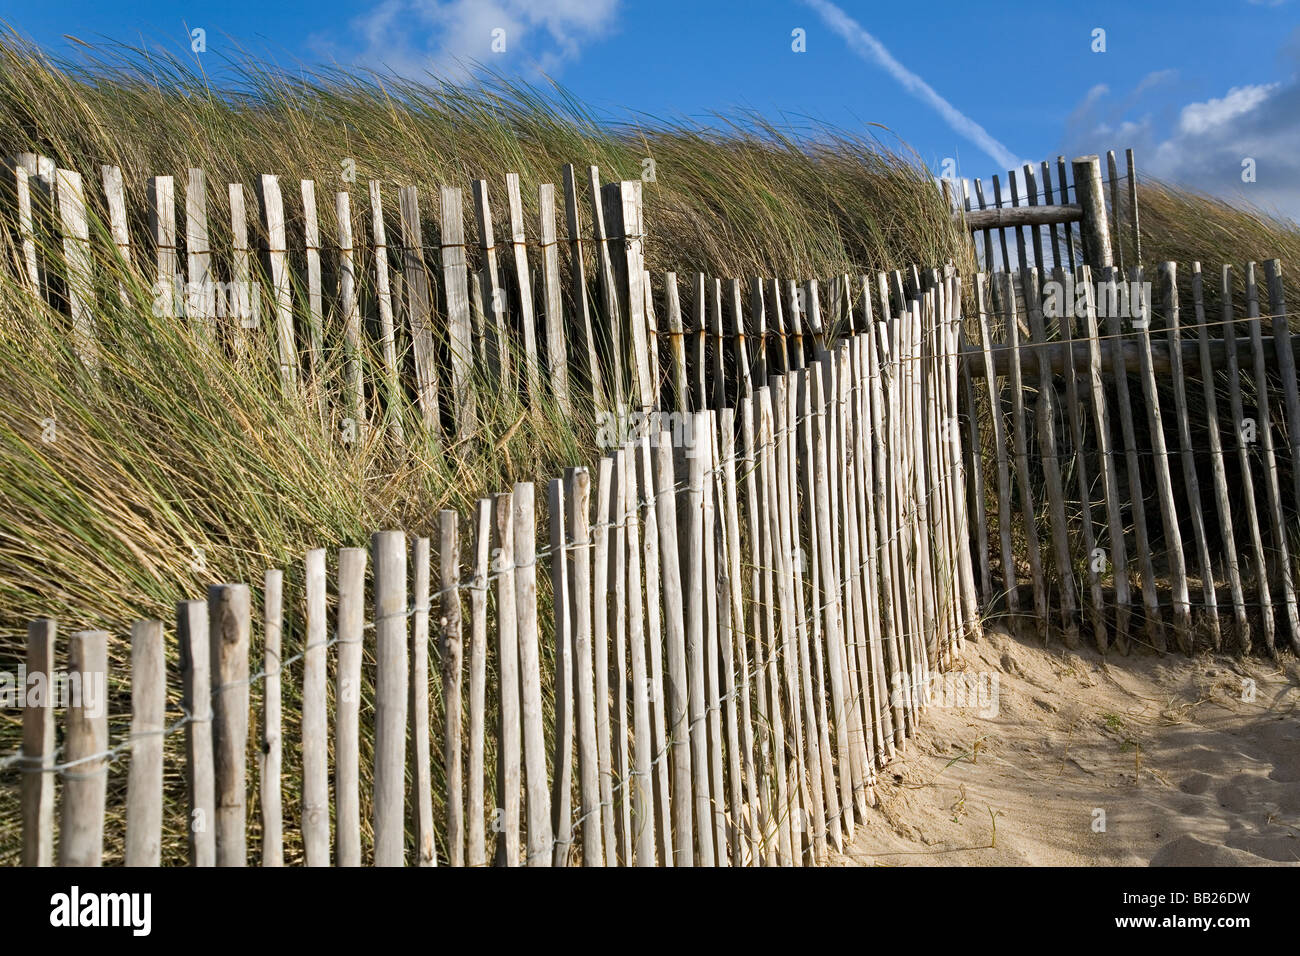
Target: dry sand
(1186, 771)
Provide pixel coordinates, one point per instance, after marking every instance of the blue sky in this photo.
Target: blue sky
(1195, 87)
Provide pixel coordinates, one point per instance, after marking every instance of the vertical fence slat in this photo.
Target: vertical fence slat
(85, 781)
(1133, 206)
(391, 675)
(699, 343)
(1118, 557)
(77, 260)
(476, 851)
(691, 544)
(419, 307)
(764, 844)
(384, 301)
(618, 666)
(192, 638)
(637, 343)
(115, 198)
(311, 248)
(247, 304)
(715, 332)
(272, 738)
(37, 795)
(509, 734)
(682, 401)
(355, 401)
(524, 285)
(704, 445)
(676, 689)
(347, 704)
(198, 257)
(811, 775)
(557, 349)
(578, 482)
(640, 783)
(581, 305)
(865, 720)
(491, 292)
(600, 653)
(1117, 238)
(426, 853)
(315, 757)
(229, 634)
(829, 599)
(449, 621)
(562, 763)
(540, 841)
(1004, 480)
(742, 757)
(26, 231)
(278, 264)
(655, 631)
(609, 311)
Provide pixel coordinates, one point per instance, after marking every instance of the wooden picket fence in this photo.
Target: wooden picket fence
(746, 606)
(1151, 490)
(702, 649)
(273, 284)
(1036, 223)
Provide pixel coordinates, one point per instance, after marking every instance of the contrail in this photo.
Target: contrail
(869, 48)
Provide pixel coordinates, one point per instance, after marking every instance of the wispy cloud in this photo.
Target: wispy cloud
(412, 37)
(1204, 143)
(872, 50)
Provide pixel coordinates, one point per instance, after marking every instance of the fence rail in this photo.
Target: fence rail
(1021, 219)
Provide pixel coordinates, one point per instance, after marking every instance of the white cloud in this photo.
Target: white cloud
(1202, 144)
(1200, 118)
(869, 48)
(445, 37)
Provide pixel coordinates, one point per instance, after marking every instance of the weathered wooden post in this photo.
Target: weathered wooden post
(1094, 228)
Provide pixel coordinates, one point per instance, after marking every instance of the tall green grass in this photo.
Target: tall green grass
(175, 465)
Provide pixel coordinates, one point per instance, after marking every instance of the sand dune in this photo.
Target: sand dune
(1186, 768)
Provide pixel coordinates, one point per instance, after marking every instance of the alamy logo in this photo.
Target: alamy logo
(951, 690)
(60, 689)
(614, 429)
(74, 908)
(220, 300)
(1070, 299)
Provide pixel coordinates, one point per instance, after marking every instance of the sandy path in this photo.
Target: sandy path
(1186, 771)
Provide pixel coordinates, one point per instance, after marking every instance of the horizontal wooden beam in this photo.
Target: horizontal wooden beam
(1010, 216)
(1160, 362)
